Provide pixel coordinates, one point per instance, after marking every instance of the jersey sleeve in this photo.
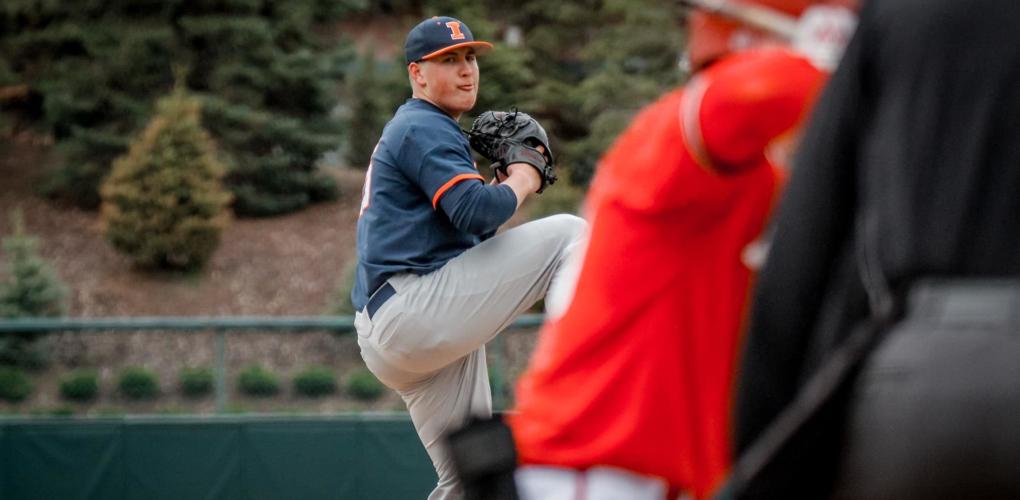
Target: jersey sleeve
(478, 209)
(683, 151)
(444, 160)
(734, 113)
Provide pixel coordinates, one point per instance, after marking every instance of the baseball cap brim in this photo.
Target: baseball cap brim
(478, 44)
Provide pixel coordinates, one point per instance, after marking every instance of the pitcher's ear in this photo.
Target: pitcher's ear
(415, 74)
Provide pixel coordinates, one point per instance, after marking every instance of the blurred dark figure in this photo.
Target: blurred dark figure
(906, 191)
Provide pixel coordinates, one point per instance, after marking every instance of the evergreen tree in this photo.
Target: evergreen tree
(583, 67)
(163, 203)
(366, 114)
(91, 79)
(375, 89)
(601, 61)
(32, 290)
(268, 90)
(94, 70)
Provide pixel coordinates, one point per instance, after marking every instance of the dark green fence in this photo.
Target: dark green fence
(353, 457)
(349, 457)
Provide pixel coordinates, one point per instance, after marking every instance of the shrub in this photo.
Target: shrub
(258, 381)
(363, 386)
(138, 383)
(14, 384)
(80, 385)
(315, 381)
(196, 382)
(164, 205)
(32, 290)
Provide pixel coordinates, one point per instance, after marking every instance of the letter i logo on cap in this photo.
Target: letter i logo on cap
(455, 33)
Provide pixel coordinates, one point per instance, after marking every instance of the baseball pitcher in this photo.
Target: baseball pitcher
(434, 283)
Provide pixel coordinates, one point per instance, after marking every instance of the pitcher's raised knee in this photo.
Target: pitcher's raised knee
(568, 226)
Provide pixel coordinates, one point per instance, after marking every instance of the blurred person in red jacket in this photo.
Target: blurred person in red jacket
(628, 393)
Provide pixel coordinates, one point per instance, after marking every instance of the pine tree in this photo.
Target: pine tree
(601, 61)
(583, 68)
(164, 204)
(268, 86)
(374, 90)
(94, 71)
(367, 116)
(32, 290)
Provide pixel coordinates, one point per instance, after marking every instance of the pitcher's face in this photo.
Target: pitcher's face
(450, 80)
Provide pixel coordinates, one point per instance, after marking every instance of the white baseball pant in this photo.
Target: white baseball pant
(427, 341)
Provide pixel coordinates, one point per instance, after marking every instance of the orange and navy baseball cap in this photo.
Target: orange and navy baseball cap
(439, 35)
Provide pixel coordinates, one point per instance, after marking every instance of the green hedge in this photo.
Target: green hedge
(138, 383)
(15, 385)
(258, 381)
(363, 386)
(196, 382)
(315, 381)
(79, 385)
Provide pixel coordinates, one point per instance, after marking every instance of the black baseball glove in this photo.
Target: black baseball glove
(511, 137)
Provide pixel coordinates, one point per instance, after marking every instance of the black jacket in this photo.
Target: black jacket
(921, 124)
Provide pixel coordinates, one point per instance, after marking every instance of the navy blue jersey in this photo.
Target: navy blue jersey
(423, 202)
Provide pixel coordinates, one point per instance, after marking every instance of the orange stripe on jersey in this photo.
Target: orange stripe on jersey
(449, 184)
